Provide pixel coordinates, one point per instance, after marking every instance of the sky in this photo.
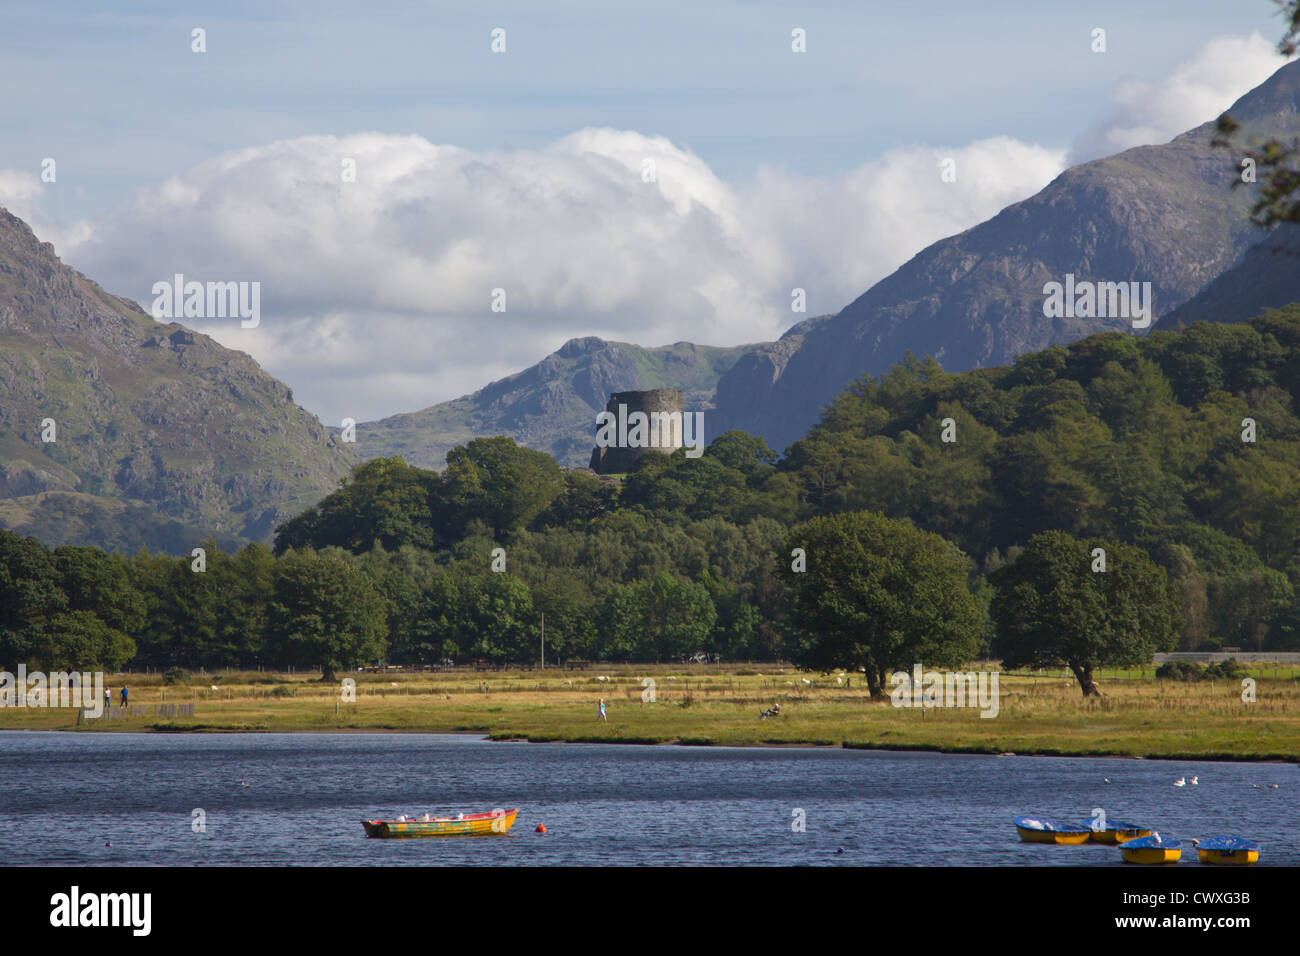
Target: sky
(643, 172)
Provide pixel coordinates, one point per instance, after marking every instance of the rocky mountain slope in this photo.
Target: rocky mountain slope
(1267, 278)
(552, 406)
(1161, 214)
(147, 416)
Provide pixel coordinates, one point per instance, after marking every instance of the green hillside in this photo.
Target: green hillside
(147, 414)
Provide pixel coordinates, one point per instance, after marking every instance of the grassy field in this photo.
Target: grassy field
(702, 704)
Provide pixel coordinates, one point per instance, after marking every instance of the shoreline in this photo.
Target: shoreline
(721, 706)
(491, 737)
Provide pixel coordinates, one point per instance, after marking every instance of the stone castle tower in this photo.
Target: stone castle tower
(662, 409)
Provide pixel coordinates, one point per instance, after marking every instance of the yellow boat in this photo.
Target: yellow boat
(1036, 830)
(496, 823)
(1228, 850)
(1151, 849)
(1116, 832)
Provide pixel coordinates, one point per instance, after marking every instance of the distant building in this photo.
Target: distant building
(635, 423)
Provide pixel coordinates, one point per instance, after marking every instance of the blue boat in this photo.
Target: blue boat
(1038, 830)
(1230, 850)
(1118, 831)
(1151, 849)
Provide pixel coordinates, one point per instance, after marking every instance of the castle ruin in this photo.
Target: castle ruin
(661, 411)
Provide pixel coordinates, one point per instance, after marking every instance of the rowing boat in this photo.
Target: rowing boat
(496, 823)
(1036, 830)
(1229, 850)
(1151, 849)
(1117, 831)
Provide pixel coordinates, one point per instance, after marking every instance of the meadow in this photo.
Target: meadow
(1039, 713)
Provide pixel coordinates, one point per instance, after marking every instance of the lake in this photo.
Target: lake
(129, 799)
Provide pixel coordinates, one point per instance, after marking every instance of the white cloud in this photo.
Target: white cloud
(1196, 92)
(376, 294)
(20, 193)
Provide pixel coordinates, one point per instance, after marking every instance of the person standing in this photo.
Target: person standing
(601, 712)
(123, 695)
(108, 697)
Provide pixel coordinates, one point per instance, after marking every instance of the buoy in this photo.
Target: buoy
(541, 828)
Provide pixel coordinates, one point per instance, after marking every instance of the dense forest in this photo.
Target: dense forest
(1179, 453)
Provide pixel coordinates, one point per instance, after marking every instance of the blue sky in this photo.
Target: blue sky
(524, 170)
(123, 101)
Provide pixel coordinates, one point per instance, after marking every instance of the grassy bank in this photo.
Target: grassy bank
(719, 705)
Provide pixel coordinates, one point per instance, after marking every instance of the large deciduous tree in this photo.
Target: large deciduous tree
(879, 594)
(1052, 609)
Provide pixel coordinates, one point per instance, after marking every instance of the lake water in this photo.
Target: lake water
(64, 798)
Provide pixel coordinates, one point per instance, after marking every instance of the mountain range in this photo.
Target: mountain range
(1165, 214)
(552, 405)
(164, 436)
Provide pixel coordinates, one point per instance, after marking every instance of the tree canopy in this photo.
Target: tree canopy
(1183, 446)
(878, 595)
(1081, 604)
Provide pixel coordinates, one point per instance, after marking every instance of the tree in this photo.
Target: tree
(584, 497)
(100, 584)
(880, 595)
(500, 622)
(385, 501)
(78, 640)
(742, 451)
(504, 484)
(323, 611)
(29, 596)
(1050, 607)
(661, 619)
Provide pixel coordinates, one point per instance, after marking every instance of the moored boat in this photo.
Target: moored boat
(1038, 830)
(1151, 849)
(496, 823)
(1117, 831)
(1230, 850)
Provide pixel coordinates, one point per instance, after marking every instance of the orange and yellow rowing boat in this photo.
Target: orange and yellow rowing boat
(496, 823)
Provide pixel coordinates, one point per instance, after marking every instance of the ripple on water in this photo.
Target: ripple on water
(602, 804)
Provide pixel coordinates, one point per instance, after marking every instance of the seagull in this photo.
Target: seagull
(1180, 782)
(1107, 779)
(1193, 781)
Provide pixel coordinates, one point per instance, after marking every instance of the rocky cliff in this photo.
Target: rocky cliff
(145, 414)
